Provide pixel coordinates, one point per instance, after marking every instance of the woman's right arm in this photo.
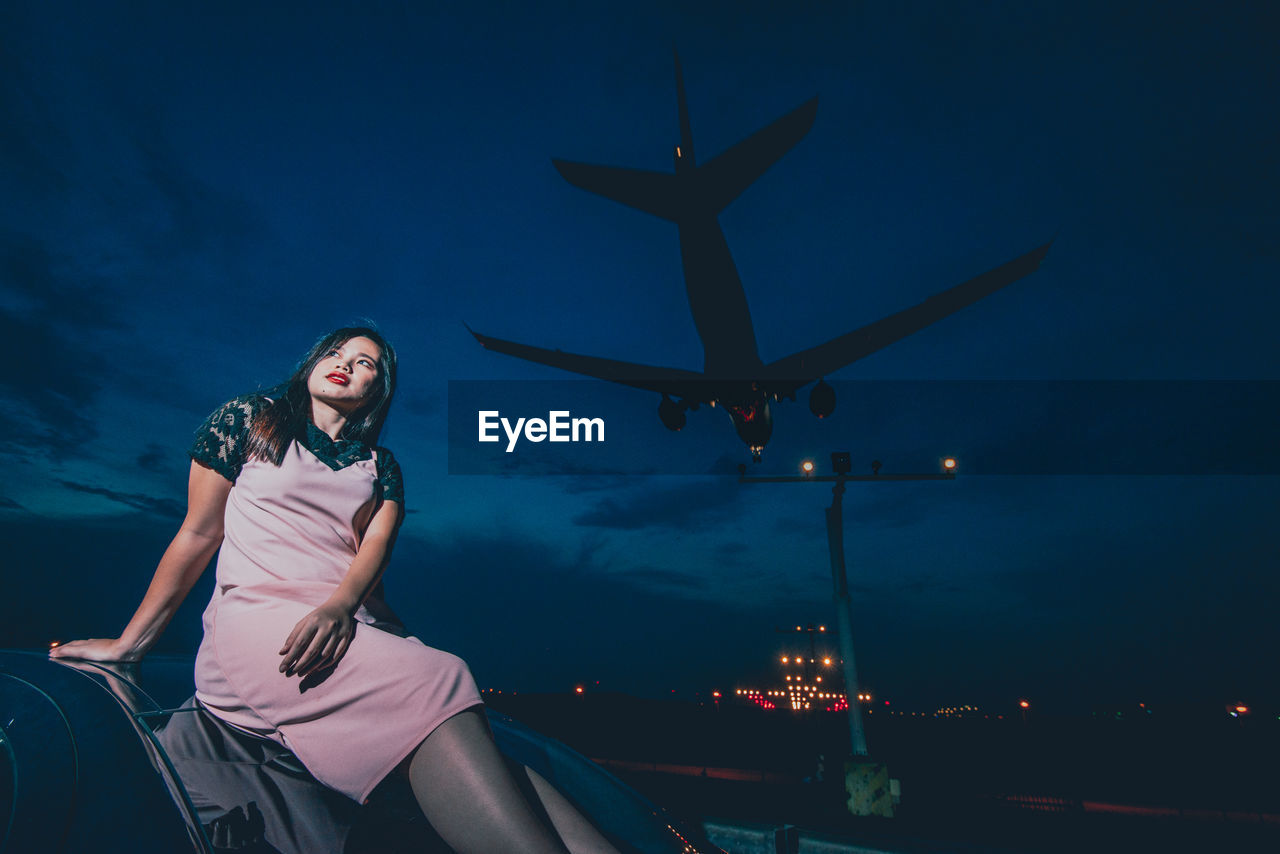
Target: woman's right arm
(184, 560)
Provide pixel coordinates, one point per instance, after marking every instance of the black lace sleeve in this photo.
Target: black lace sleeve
(389, 481)
(220, 441)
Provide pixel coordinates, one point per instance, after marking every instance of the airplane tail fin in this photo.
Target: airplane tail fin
(684, 153)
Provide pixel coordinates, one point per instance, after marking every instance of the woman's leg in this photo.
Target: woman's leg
(463, 786)
(578, 834)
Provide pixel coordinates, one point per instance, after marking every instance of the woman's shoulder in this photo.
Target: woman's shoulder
(389, 478)
(221, 441)
(245, 405)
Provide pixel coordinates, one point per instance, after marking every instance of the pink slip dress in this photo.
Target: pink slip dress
(290, 534)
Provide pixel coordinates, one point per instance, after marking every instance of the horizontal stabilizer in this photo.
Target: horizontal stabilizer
(798, 369)
(723, 178)
(652, 192)
(707, 189)
(689, 385)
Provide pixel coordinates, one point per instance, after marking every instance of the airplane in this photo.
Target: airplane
(733, 374)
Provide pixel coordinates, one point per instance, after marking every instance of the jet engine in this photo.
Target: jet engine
(822, 399)
(671, 413)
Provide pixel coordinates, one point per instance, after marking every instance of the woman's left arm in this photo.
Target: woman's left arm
(321, 638)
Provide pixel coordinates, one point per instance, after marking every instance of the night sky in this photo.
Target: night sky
(194, 193)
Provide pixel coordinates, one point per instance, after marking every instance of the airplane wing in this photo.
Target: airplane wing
(688, 385)
(798, 369)
(652, 192)
(723, 178)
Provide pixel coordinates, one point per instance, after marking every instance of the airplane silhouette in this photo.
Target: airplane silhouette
(733, 374)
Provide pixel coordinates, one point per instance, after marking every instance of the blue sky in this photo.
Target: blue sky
(195, 193)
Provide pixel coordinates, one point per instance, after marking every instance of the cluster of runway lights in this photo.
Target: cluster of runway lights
(799, 697)
(838, 702)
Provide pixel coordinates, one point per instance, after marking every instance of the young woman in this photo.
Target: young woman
(299, 645)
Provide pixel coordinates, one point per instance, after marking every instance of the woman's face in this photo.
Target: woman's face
(346, 375)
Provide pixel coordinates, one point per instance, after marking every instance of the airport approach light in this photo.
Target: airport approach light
(807, 467)
(842, 474)
(1024, 704)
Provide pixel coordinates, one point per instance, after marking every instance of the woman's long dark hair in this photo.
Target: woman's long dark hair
(277, 425)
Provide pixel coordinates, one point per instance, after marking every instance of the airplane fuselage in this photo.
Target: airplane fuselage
(717, 301)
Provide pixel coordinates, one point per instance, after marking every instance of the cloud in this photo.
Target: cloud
(726, 464)
(166, 507)
(202, 221)
(424, 404)
(49, 311)
(7, 503)
(532, 614)
(596, 483)
(102, 217)
(32, 146)
(156, 458)
(666, 578)
(687, 506)
(77, 578)
(602, 471)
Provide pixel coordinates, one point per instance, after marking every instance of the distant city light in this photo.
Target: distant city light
(1244, 710)
(578, 690)
(1024, 704)
(822, 628)
(826, 661)
(785, 660)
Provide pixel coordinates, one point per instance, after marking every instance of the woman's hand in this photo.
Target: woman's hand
(96, 649)
(319, 640)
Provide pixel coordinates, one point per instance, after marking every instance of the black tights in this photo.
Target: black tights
(472, 800)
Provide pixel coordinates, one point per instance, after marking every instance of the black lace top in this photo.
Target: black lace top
(221, 440)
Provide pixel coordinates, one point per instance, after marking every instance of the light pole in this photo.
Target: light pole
(842, 467)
